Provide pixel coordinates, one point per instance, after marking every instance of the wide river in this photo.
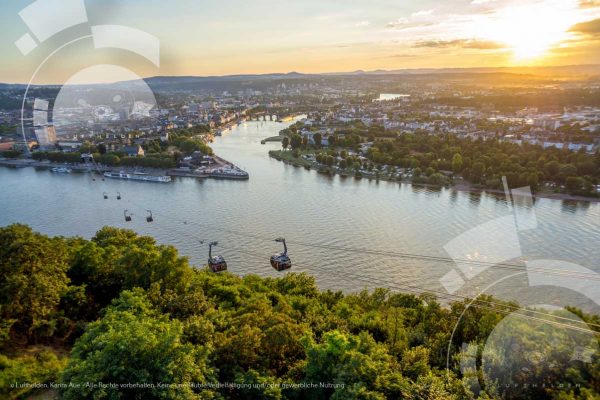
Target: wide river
(350, 234)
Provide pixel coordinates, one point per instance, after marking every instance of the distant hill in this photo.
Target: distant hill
(590, 69)
(233, 82)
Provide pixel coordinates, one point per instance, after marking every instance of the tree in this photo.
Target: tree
(109, 159)
(567, 170)
(296, 141)
(477, 172)
(165, 322)
(457, 163)
(318, 138)
(304, 141)
(33, 277)
(132, 344)
(118, 259)
(552, 169)
(40, 366)
(333, 140)
(285, 142)
(358, 361)
(573, 184)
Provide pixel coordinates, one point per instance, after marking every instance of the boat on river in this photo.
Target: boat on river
(228, 172)
(61, 170)
(138, 176)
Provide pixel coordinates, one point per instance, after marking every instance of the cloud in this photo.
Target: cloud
(422, 13)
(588, 27)
(589, 3)
(477, 2)
(398, 22)
(362, 24)
(401, 55)
(462, 43)
(418, 18)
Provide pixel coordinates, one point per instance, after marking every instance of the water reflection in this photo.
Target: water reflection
(572, 206)
(474, 198)
(307, 208)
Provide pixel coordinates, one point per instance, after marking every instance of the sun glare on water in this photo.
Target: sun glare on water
(531, 30)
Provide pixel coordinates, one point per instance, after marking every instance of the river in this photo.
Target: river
(329, 222)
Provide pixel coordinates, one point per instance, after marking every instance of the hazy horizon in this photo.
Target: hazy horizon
(212, 39)
(516, 70)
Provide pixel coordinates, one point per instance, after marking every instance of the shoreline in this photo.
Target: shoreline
(459, 186)
(85, 168)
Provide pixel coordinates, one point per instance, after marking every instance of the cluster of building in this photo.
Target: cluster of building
(331, 104)
(574, 129)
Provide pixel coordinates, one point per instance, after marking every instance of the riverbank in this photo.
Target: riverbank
(304, 208)
(221, 169)
(272, 139)
(287, 157)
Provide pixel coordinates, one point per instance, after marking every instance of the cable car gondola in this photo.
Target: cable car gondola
(281, 261)
(149, 217)
(105, 195)
(118, 195)
(127, 216)
(216, 263)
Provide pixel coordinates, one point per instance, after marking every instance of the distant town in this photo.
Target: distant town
(430, 128)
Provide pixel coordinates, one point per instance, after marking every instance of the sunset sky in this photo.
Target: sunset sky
(216, 37)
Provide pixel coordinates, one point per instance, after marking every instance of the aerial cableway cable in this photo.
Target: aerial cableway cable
(423, 257)
(480, 303)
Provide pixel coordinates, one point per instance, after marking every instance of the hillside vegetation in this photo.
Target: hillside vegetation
(121, 317)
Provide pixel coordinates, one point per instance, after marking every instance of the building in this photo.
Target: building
(87, 158)
(46, 136)
(69, 145)
(6, 146)
(134, 151)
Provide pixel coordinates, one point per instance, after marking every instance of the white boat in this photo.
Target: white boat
(61, 170)
(229, 172)
(138, 176)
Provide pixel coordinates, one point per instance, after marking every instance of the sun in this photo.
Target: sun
(531, 30)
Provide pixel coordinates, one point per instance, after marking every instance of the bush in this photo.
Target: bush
(36, 367)
(11, 154)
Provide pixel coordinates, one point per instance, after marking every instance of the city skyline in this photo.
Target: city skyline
(207, 38)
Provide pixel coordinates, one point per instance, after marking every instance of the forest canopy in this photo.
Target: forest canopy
(121, 309)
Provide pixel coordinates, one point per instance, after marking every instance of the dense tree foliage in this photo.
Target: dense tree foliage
(438, 159)
(485, 162)
(119, 309)
(111, 159)
(33, 278)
